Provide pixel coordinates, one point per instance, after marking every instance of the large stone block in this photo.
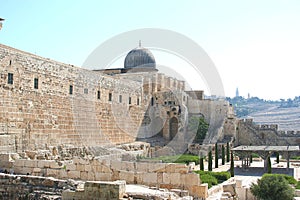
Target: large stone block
(30, 163)
(115, 165)
(200, 191)
(176, 179)
(150, 179)
(80, 167)
(157, 167)
(127, 166)
(71, 167)
(19, 163)
(127, 176)
(190, 179)
(74, 174)
(83, 175)
(142, 167)
(166, 178)
(103, 176)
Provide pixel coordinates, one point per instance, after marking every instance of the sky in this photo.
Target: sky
(254, 44)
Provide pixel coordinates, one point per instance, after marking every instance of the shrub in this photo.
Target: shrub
(272, 187)
(298, 185)
(213, 178)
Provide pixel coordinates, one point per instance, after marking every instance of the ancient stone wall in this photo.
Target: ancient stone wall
(48, 102)
(36, 187)
(162, 175)
(250, 133)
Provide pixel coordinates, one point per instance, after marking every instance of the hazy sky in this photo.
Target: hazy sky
(254, 44)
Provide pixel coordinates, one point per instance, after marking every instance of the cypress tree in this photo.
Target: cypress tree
(223, 155)
(201, 164)
(269, 165)
(216, 156)
(251, 158)
(277, 157)
(209, 161)
(231, 165)
(227, 152)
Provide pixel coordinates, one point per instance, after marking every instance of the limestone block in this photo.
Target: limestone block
(6, 164)
(127, 166)
(150, 178)
(72, 195)
(83, 175)
(30, 163)
(44, 163)
(181, 168)
(190, 179)
(25, 170)
(80, 167)
(71, 167)
(54, 165)
(139, 178)
(74, 174)
(91, 176)
(142, 166)
(160, 177)
(200, 191)
(63, 174)
(116, 165)
(19, 163)
(52, 172)
(170, 168)
(166, 178)
(175, 179)
(103, 176)
(230, 188)
(87, 168)
(127, 176)
(157, 167)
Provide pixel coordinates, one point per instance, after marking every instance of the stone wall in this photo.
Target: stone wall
(32, 117)
(161, 175)
(250, 133)
(36, 187)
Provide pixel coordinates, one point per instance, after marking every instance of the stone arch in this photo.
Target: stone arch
(173, 127)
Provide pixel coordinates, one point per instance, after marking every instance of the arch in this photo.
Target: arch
(173, 127)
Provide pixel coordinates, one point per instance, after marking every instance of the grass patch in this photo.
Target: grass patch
(184, 158)
(213, 178)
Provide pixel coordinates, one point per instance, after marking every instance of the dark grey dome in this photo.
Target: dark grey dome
(139, 58)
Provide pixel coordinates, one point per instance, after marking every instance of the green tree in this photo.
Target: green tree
(231, 165)
(223, 155)
(227, 152)
(272, 187)
(201, 163)
(209, 161)
(199, 126)
(216, 156)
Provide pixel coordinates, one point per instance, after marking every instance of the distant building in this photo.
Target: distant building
(237, 94)
(1, 23)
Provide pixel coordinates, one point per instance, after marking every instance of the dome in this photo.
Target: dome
(139, 58)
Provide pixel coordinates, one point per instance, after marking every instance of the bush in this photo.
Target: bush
(221, 176)
(272, 187)
(298, 185)
(213, 178)
(210, 180)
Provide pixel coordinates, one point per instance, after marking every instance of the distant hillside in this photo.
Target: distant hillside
(285, 113)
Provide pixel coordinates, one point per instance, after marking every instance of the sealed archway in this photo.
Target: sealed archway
(173, 127)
